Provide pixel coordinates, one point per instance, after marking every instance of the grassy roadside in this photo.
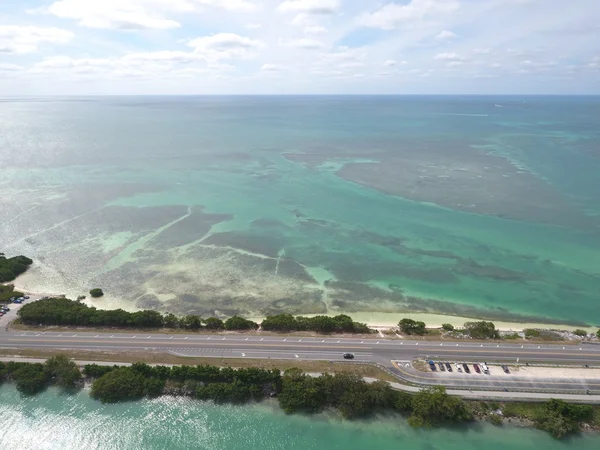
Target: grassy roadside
(363, 370)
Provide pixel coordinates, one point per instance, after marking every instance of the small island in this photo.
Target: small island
(96, 293)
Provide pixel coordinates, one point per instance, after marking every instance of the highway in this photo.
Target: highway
(394, 355)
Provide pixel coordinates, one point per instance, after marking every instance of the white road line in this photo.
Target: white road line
(185, 337)
(296, 356)
(97, 335)
(245, 339)
(285, 340)
(172, 337)
(415, 344)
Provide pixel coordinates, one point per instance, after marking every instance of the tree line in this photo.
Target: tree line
(62, 311)
(32, 378)
(296, 392)
(11, 268)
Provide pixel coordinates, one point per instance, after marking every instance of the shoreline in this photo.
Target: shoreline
(376, 320)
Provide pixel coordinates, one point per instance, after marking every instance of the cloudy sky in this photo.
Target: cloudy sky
(299, 46)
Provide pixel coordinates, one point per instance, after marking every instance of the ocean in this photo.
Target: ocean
(55, 420)
(471, 206)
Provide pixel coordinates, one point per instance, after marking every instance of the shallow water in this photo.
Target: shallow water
(54, 420)
(309, 204)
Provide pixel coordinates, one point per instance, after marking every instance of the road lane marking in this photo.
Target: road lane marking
(296, 356)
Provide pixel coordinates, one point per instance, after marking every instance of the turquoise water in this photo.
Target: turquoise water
(53, 420)
(257, 205)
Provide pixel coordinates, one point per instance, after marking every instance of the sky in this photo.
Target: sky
(108, 47)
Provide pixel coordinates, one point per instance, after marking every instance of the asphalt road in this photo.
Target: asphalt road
(380, 351)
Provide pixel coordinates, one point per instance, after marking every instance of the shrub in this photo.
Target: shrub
(239, 323)
(433, 406)
(213, 323)
(96, 292)
(481, 330)
(119, 385)
(579, 332)
(447, 327)
(409, 326)
(530, 333)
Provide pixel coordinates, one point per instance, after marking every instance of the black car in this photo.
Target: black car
(505, 368)
(449, 367)
(348, 356)
(441, 366)
(467, 370)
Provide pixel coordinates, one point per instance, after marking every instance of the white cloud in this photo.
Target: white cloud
(305, 43)
(390, 63)
(225, 46)
(315, 29)
(135, 14)
(11, 68)
(131, 65)
(445, 35)
(272, 67)
(393, 15)
(310, 6)
(253, 26)
(27, 39)
(449, 57)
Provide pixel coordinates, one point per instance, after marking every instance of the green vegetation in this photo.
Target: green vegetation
(62, 311)
(239, 323)
(555, 416)
(96, 292)
(296, 392)
(598, 334)
(561, 419)
(511, 336)
(320, 324)
(531, 333)
(8, 291)
(355, 398)
(11, 268)
(580, 332)
(433, 407)
(411, 327)
(212, 323)
(481, 330)
(33, 378)
(447, 327)
(116, 384)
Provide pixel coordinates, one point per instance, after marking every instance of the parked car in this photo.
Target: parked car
(485, 368)
(441, 366)
(449, 367)
(476, 367)
(4, 309)
(466, 367)
(505, 368)
(348, 356)
(458, 368)
(26, 297)
(432, 366)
